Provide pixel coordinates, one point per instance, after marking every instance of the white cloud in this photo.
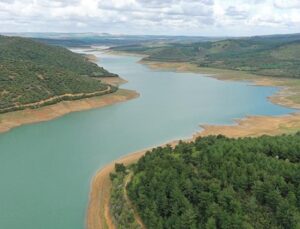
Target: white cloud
(191, 17)
(287, 4)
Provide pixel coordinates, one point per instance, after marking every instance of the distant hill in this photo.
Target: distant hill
(104, 39)
(276, 55)
(33, 74)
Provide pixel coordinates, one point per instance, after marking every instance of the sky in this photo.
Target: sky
(156, 17)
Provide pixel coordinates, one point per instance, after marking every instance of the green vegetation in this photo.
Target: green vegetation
(122, 214)
(31, 72)
(217, 182)
(269, 55)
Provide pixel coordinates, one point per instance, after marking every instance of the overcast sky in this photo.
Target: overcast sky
(168, 17)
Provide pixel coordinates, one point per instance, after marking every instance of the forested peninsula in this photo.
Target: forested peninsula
(212, 182)
(40, 82)
(33, 74)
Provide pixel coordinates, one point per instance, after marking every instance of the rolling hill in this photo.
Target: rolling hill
(34, 74)
(276, 55)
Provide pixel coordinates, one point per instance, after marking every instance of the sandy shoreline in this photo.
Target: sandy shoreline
(288, 95)
(14, 119)
(253, 126)
(98, 212)
(18, 118)
(91, 57)
(98, 215)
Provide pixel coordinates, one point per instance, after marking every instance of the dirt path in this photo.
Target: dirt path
(59, 97)
(98, 215)
(14, 119)
(130, 204)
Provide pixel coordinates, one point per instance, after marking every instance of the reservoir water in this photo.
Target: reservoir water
(46, 168)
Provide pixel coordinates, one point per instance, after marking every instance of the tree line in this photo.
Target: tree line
(218, 182)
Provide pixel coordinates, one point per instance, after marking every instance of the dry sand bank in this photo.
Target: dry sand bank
(256, 126)
(91, 57)
(115, 81)
(18, 118)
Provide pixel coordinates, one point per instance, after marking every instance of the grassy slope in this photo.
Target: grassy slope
(31, 71)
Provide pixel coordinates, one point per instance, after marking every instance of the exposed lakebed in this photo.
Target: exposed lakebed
(46, 168)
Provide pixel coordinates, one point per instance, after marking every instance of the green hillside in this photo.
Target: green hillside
(31, 72)
(215, 182)
(270, 56)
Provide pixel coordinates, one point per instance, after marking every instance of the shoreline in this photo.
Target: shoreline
(91, 58)
(287, 96)
(98, 213)
(52, 100)
(289, 89)
(15, 119)
(255, 126)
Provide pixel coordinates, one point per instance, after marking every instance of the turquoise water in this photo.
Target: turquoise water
(46, 168)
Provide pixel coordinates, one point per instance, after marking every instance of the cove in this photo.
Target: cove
(46, 168)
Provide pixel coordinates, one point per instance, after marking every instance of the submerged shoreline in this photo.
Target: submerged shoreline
(98, 214)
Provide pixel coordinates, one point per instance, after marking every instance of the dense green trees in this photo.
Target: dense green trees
(31, 71)
(217, 182)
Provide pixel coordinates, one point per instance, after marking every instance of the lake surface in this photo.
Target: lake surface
(46, 168)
